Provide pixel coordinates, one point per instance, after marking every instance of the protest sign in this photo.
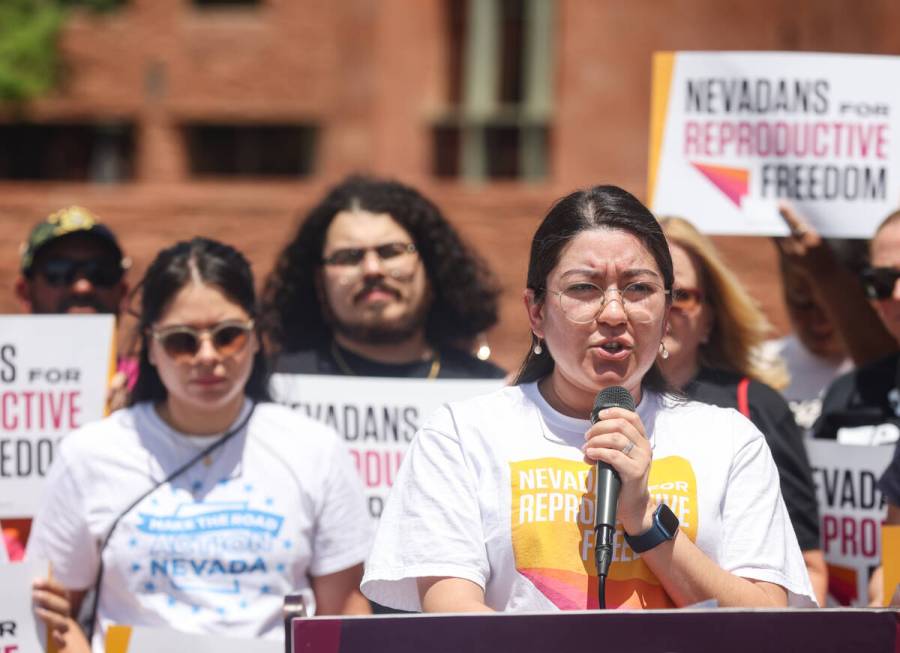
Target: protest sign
(378, 417)
(734, 133)
(851, 509)
(127, 639)
(20, 630)
(53, 377)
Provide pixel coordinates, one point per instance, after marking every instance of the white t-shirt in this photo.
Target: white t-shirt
(494, 490)
(810, 377)
(215, 550)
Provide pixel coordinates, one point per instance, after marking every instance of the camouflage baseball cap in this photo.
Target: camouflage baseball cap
(70, 220)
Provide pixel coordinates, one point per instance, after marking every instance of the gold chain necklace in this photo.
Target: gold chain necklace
(348, 371)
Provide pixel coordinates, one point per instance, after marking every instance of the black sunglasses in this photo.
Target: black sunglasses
(102, 273)
(879, 283)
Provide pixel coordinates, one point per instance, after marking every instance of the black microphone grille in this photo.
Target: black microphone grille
(613, 397)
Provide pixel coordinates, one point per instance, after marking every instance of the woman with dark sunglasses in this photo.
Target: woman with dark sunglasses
(209, 504)
(714, 335)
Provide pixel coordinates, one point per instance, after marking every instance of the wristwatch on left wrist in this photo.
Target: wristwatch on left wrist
(664, 528)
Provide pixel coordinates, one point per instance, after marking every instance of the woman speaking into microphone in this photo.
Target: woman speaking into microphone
(494, 506)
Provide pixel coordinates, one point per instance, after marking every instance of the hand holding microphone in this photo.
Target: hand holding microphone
(618, 444)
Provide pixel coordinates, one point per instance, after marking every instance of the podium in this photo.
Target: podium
(647, 631)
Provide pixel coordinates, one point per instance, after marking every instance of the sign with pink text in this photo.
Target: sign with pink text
(378, 417)
(851, 510)
(53, 377)
(20, 630)
(734, 134)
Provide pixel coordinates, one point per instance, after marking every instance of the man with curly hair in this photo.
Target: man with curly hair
(378, 283)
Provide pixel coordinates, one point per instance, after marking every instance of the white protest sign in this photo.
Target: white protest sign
(138, 639)
(378, 417)
(54, 371)
(851, 509)
(734, 133)
(20, 630)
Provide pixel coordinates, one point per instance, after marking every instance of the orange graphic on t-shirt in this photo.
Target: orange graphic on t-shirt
(552, 526)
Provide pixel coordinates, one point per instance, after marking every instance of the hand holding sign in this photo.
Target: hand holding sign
(51, 603)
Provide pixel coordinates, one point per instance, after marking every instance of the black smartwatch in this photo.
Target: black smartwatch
(665, 527)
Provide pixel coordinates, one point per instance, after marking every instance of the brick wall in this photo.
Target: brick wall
(370, 73)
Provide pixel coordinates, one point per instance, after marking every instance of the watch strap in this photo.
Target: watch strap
(658, 532)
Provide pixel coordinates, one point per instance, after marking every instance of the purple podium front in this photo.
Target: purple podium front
(650, 631)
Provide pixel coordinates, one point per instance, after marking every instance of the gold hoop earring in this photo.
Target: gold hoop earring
(663, 352)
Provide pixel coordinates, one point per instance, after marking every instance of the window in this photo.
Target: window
(221, 150)
(498, 90)
(67, 152)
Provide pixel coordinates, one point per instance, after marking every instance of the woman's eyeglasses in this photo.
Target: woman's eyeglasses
(183, 342)
(686, 299)
(102, 273)
(582, 303)
(879, 283)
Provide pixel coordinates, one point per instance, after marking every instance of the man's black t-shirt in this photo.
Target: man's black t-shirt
(771, 415)
(334, 359)
(863, 406)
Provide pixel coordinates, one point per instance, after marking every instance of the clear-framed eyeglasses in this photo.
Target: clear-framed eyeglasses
(397, 259)
(583, 302)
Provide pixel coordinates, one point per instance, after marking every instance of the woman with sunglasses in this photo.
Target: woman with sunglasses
(714, 335)
(201, 505)
(494, 505)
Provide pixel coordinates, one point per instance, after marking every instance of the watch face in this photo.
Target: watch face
(667, 519)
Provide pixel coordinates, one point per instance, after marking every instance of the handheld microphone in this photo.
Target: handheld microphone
(608, 484)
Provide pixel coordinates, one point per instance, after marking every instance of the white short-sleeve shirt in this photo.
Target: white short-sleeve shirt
(216, 549)
(494, 490)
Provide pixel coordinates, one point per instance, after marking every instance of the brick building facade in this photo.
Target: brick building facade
(165, 120)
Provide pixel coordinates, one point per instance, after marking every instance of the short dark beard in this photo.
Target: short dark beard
(82, 301)
(69, 302)
(379, 334)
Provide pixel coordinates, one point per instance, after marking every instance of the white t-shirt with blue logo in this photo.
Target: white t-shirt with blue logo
(215, 550)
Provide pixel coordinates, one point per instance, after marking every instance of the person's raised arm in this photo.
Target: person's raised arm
(838, 290)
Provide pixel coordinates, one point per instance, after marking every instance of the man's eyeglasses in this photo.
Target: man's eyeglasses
(879, 282)
(351, 256)
(686, 299)
(102, 273)
(182, 342)
(582, 303)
